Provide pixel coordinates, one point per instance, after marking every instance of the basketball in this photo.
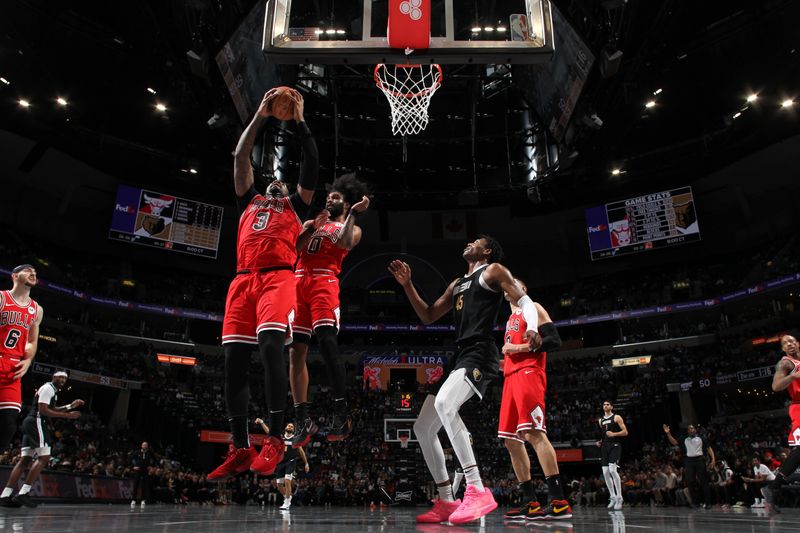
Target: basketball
(283, 104)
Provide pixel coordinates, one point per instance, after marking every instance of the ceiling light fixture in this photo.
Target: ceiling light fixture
(5, 81)
(61, 101)
(193, 171)
(737, 114)
(650, 104)
(501, 28)
(23, 103)
(151, 90)
(488, 28)
(752, 97)
(616, 172)
(657, 92)
(161, 107)
(476, 29)
(787, 103)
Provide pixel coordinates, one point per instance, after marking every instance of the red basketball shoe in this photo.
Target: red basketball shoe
(271, 454)
(237, 461)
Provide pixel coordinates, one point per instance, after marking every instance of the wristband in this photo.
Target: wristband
(69, 406)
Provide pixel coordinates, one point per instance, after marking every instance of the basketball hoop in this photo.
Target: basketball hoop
(409, 89)
(404, 441)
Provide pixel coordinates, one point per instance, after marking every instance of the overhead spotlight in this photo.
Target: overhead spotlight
(616, 172)
(488, 28)
(787, 103)
(319, 32)
(23, 103)
(161, 107)
(752, 97)
(61, 101)
(650, 104)
(340, 32)
(5, 81)
(330, 32)
(657, 92)
(192, 170)
(151, 90)
(476, 29)
(737, 114)
(501, 28)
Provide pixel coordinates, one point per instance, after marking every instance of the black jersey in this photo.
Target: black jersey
(475, 308)
(607, 423)
(47, 393)
(289, 453)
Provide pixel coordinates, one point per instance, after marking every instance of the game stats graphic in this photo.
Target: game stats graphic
(164, 221)
(643, 223)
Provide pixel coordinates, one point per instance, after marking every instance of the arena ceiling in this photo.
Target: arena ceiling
(698, 61)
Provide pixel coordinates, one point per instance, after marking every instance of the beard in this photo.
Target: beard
(275, 191)
(336, 209)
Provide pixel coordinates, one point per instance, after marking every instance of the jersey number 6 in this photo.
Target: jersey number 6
(12, 339)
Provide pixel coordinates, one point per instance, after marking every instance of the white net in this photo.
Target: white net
(409, 89)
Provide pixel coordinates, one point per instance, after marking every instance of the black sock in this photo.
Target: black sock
(301, 412)
(239, 430)
(276, 421)
(329, 349)
(528, 491)
(554, 487)
(237, 390)
(276, 378)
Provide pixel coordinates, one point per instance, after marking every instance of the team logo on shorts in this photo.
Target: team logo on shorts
(537, 415)
(477, 375)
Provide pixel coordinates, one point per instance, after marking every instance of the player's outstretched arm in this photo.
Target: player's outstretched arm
(309, 168)
(242, 168)
(351, 234)
(783, 376)
(426, 313)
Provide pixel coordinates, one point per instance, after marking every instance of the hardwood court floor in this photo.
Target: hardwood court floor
(57, 518)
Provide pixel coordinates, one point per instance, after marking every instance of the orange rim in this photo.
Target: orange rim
(424, 92)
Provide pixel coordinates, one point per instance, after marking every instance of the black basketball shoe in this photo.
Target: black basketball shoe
(8, 501)
(303, 437)
(340, 429)
(24, 499)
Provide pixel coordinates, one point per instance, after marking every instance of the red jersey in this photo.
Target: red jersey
(268, 231)
(794, 387)
(322, 255)
(16, 321)
(515, 334)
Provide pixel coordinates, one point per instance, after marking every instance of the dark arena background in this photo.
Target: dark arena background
(636, 159)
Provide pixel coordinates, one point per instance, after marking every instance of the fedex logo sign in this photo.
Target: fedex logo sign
(597, 228)
(125, 208)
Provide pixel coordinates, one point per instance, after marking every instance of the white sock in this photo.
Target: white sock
(612, 469)
(473, 477)
(446, 493)
(8, 491)
(24, 490)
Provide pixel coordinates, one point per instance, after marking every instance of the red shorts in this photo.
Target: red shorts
(10, 388)
(317, 302)
(794, 433)
(259, 302)
(522, 406)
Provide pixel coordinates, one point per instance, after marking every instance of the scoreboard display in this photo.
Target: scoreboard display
(164, 221)
(643, 223)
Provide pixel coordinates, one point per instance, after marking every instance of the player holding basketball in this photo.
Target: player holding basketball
(37, 439)
(260, 305)
(522, 412)
(612, 427)
(475, 299)
(323, 246)
(787, 377)
(20, 317)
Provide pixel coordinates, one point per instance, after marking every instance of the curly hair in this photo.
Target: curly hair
(351, 187)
